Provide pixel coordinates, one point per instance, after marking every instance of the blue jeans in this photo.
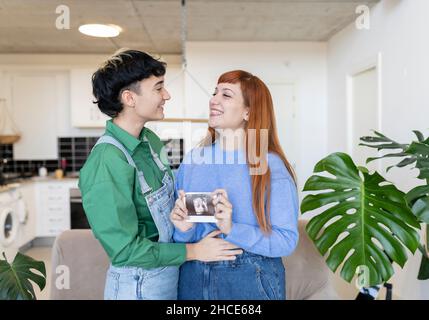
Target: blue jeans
(132, 283)
(249, 277)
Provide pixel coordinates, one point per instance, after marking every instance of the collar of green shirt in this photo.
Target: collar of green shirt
(129, 141)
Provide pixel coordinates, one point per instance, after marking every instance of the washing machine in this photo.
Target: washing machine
(13, 218)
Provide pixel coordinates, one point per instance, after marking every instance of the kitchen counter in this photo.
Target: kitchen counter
(25, 181)
(52, 179)
(49, 178)
(8, 187)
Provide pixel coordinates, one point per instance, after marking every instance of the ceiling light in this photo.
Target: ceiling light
(100, 30)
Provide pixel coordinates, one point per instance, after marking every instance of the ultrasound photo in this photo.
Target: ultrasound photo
(200, 207)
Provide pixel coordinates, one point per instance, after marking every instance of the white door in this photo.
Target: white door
(283, 95)
(363, 115)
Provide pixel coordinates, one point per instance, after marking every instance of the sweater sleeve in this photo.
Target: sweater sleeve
(283, 238)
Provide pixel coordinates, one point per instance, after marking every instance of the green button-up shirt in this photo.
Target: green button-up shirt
(116, 209)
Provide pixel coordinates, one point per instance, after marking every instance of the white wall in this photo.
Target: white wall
(301, 63)
(398, 30)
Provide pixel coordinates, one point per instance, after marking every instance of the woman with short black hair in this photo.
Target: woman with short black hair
(127, 186)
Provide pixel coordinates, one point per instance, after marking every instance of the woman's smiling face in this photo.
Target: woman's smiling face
(227, 108)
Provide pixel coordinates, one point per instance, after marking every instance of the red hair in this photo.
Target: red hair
(258, 99)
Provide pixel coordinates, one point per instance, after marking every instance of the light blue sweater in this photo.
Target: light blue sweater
(209, 168)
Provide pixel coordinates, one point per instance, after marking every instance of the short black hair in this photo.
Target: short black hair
(122, 71)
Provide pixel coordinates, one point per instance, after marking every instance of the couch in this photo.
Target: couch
(307, 276)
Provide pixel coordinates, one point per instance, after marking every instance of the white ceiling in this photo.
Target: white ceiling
(28, 26)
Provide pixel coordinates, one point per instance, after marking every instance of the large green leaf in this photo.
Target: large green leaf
(424, 265)
(417, 152)
(15, 278)
(420, 151)
(418, 198)
(381, 142)
(362, 207)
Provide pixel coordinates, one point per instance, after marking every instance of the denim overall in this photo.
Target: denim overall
(135, 283)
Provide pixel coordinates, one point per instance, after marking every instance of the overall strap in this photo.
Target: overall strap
(110, 140)
(155, 156)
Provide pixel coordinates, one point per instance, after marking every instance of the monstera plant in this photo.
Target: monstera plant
(15, 278)
(415, 154)
(366, 223)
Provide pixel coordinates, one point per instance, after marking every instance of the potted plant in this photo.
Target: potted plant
(15, 278)
(416, 154)
(366, 223)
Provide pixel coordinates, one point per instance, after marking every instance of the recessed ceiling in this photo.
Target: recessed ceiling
(28, 26)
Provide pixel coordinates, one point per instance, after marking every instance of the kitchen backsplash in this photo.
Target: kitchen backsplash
(75, 151)
(23, 167)
(6, 152)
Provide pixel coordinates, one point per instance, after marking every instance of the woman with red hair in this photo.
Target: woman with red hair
(254, 192)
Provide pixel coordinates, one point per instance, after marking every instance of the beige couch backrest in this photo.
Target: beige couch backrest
(307, 276)
(87, 262)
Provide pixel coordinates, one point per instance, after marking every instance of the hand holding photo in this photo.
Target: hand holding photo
(200, 207)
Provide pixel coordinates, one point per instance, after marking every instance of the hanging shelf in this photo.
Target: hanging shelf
(9, 132)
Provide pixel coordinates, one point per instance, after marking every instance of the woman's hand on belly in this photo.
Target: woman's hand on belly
(212, 248)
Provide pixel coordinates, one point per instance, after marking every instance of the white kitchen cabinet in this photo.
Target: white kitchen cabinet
(34, 98)
(53, 207)
(84, 113)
